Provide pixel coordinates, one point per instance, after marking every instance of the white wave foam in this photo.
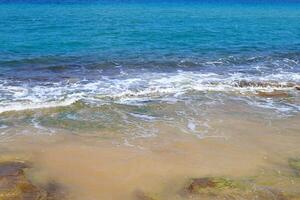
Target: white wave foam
(134, 88)
(2, 126)
(29, 106)
(143, 117)
(191, 126)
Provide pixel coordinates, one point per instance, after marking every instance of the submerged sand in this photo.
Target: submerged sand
(238, 146)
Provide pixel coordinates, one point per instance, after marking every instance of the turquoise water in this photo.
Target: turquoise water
(129, 53)
(148, 31)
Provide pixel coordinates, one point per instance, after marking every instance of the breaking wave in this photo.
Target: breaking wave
(135, 88)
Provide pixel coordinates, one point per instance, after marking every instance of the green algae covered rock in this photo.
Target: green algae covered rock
(199, 185)
(14, 185)
(228, 189)
(141, 195)
(295, 165)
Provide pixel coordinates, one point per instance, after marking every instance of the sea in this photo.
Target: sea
(77, 65)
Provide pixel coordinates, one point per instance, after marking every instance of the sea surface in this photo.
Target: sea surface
(86, 62)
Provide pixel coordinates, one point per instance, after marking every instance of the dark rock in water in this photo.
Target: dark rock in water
(274, 94)
(297, 87)
(12, 168)
(262, 84)
(55, 191)
(245, 83)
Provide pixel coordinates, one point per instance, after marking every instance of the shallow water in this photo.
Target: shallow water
(161, 153)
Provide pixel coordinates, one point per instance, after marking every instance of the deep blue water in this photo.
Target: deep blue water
(58, 53)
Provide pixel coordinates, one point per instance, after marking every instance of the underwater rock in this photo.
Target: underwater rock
(265, 193)
(55, 191)
(199, 184)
